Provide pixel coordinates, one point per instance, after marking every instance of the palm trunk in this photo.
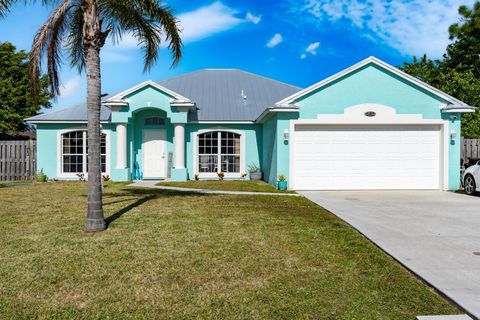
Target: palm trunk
(92, 44)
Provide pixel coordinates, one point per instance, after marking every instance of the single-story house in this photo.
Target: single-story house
(370, 126)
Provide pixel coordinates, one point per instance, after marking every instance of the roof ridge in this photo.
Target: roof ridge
(232, 69)
(274, 80)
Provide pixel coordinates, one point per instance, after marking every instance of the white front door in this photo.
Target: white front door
(153, 154)
(367, 157)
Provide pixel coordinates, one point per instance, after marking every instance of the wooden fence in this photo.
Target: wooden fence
(17, 160)
(470, 150)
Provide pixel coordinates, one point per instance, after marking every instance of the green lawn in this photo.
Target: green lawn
(225, 185)
(184, 255)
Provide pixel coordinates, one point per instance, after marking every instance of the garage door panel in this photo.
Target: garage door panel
(374, 157)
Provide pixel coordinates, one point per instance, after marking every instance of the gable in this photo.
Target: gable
(148, 96)
(370, 84)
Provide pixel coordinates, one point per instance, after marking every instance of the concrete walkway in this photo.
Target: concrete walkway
(435, 234)
(153, 184)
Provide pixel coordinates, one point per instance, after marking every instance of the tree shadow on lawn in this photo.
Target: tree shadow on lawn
(148, 194)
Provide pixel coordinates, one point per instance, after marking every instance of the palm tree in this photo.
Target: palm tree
(81, 27)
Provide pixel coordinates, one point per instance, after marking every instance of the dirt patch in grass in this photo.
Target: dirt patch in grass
(169, 255)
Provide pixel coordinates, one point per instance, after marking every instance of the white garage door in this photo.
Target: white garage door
(366, 157)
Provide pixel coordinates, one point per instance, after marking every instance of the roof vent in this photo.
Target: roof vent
(244, 96)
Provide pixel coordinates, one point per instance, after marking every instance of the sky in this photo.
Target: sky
(295, 41)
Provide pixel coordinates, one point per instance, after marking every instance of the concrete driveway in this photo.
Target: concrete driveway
(433, 233)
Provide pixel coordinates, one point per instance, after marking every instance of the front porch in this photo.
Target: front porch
(149, 124)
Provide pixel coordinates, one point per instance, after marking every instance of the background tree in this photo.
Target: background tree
(16, 102)
(464, 53)
(81, 27)
(458, 72)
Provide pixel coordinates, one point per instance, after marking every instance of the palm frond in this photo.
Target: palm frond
(164, 15)
(148, 22)
(75, 37)
(48, 40)
(5, 6)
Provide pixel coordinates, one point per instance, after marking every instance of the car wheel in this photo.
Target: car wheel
(470, 187)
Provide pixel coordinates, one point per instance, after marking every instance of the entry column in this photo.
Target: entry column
(121, 145)
(179, 172)
(179, 146)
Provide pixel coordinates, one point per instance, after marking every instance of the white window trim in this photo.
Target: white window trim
(354, 116)
(209, 175)
(69, 175)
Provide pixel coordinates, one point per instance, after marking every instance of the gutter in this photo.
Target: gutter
(279, 108)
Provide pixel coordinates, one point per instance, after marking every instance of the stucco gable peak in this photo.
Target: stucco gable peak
(451, 101)
(120, 97)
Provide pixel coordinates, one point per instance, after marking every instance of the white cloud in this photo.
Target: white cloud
(208, 20)
(312, 48)
(71, 87)
(253, 18)
(275, 40)
(198, 24)
(412, 27)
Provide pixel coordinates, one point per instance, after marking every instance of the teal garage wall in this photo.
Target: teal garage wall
(372, 84)
(269, 150)
(253, 142)
(276, 149)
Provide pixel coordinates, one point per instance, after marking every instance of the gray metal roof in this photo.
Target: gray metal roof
(74, 113)
(217, 94)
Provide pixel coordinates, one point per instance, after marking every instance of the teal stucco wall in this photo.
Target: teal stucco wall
(264, 142)
(372, 84)
(269, 150)
(48, 141)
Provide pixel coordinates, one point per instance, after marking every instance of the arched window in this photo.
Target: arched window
(219, 151)
(75, 150)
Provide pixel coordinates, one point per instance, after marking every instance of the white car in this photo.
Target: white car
(471, 179)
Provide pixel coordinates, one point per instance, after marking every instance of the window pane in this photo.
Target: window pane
(231, 164)
(74, 151)
(229, 150)
(207, 163)
(230, 143)
(103, 163)
(154, 121)
(207, 143)
(72, 164)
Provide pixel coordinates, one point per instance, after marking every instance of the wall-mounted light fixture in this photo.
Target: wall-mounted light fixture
(285, 134)
(453, 134)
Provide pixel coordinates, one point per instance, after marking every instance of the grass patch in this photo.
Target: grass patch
(5, 184)
(226, 185)
(171, 255)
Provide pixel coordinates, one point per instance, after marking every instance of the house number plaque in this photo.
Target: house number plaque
(370, 114)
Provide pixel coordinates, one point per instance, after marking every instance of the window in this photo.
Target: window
(75, 151)
(219, 151)
(154, 121)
